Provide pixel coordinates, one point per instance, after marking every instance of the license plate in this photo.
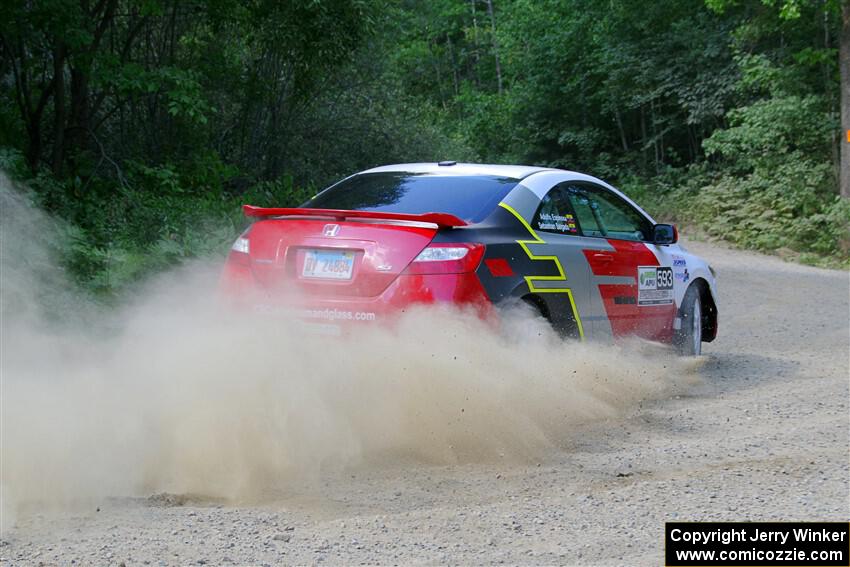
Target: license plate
(328, 264)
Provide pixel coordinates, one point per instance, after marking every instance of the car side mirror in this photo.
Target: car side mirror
(664, 234)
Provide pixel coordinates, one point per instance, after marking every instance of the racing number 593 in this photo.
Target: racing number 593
(664, 278)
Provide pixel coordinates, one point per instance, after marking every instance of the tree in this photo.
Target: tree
(844, 57)
(112, 80)
(771, 18)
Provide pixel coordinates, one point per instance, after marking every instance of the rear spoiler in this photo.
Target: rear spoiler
(443, 220)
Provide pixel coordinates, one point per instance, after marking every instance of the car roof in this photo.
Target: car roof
(511, 171)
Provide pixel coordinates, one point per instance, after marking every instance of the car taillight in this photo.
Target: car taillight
(447, 258)
(241, 245)
(240, 248)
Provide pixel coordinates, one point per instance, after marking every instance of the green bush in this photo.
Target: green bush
(115, 234)
(780, 210)
(771, 186)
(766, 212)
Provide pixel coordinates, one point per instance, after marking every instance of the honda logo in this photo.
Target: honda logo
(330, 230)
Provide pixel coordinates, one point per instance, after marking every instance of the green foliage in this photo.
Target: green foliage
(772, 132)
(184, 95)
(145, 125)
(772, 187)
(781, 211)
(767, 210)
(12, 162)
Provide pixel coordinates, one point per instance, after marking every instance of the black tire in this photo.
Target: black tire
(688, 339)
(561, 319)
(537, 306)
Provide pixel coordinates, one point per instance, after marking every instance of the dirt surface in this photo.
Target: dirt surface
(763, 436)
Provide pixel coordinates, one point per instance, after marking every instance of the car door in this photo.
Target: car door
(634, 291)
(567, 295)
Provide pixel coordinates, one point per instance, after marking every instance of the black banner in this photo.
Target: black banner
(762, 544)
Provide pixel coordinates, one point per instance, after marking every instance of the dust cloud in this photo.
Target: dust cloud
(172, 393)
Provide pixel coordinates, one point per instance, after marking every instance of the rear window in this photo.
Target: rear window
(469, 197)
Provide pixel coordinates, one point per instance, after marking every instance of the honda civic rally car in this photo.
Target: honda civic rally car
(576, 249)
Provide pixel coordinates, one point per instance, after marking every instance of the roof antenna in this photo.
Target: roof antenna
(447, 163)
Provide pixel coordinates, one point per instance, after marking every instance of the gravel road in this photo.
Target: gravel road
(763, 436)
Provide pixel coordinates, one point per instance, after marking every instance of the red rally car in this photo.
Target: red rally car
(589, 259)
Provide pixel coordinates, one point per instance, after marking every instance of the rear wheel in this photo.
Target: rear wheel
(537, 306)
(688, 339)
(558, 314)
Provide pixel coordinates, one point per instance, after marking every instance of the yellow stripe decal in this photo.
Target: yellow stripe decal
(561, 277)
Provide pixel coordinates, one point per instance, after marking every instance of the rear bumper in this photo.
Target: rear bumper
(240, 289)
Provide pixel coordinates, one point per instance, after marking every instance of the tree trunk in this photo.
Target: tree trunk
(455, 78)
(79, 118)
(495, 45)
(844, 60)
(623, 140)
(643, 133)
(475, 51)
(654, 135)
(30, 114)
(439, 76)
(834, 105)
(58, 108)
(32, 154)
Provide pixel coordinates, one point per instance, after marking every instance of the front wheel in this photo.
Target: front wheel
(688, 339)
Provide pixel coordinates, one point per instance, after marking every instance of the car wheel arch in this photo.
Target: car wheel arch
(709, 309)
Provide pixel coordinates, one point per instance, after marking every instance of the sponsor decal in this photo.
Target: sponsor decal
(327, 314)
(679, 262)
(337, 315)
(682, 276)
(655, 285)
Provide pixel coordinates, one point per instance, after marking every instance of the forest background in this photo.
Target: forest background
(142, 126)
